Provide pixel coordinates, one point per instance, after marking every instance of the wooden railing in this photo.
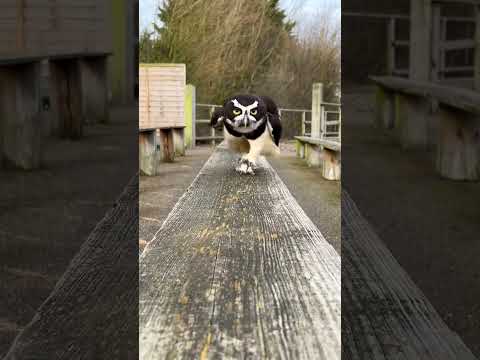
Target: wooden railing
(330, 127)
(441, 46)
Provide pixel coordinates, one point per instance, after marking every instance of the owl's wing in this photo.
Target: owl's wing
(275, 127)
(218, 115)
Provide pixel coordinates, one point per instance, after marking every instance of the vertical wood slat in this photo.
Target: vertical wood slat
(303, 123)
(20, 25)
(476, 67)
(147, 89)
(212, 129)
(391, 49)
(317, 99)
(437, 58)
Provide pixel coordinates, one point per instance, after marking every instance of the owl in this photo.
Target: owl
(251, 127)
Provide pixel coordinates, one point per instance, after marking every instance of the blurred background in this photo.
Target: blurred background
(271, 47)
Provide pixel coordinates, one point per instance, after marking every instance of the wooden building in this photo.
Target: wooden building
(161, 114)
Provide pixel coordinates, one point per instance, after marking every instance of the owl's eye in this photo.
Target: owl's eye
(236, 112)
(253, 112)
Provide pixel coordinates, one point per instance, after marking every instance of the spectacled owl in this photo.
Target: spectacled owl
(251, 126)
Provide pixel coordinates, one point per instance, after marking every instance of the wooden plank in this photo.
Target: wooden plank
(463, 99)
(93, 311)
(239, 271)
(332, 145)
(384, 314)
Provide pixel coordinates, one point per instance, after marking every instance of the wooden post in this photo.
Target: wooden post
(317, 99)
(300, 148)
(437, 61)
(149, 154)
(420, 39)
(313, 154)
(94, 89)
(476, 66)
(331, 168)
(303, 123)
(66, 98)
(391, 46)
(384, 113)
(167, 145)
(340, 124)
(189, 131)
(20, 26)
(412, 114)
(21, 130)
(323, 122)
(212, 129)
(458, 155)
(179, 141)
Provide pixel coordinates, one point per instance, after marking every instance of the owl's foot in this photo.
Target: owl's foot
(245, 166)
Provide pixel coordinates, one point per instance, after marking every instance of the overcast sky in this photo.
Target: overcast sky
(299, 10)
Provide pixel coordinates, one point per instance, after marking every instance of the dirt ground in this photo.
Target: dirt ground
(431, 225)
(318, 197)
(158, 194)
(46, 214)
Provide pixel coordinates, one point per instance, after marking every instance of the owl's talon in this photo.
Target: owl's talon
(245, 166)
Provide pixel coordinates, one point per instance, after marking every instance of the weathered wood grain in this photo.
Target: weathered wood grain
(329, 144)
(462, 99)
(384, 314)
(239, 271)
(93, 311)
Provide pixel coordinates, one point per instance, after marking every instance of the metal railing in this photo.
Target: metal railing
(441, 46)
(330, 121)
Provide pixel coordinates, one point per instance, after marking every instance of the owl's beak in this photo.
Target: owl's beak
(246, 120)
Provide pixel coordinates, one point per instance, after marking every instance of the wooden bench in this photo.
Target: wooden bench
(239, 271)
(321, 152)
(423, 114)
(93, 311)
(384, 314)
(21, 142)
(78, 88)
(78, 91)
(159, 144)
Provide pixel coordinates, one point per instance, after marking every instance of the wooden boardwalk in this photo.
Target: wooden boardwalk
(384, 314)
(92, 313)
(239, 271)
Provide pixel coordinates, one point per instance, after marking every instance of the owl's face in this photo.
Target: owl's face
(245, 112)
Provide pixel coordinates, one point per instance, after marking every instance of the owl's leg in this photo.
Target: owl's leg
(248, 162)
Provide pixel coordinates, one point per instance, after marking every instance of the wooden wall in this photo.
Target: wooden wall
(46, 28)
(162, 95)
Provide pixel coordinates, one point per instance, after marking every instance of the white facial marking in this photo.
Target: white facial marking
(241, 118)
